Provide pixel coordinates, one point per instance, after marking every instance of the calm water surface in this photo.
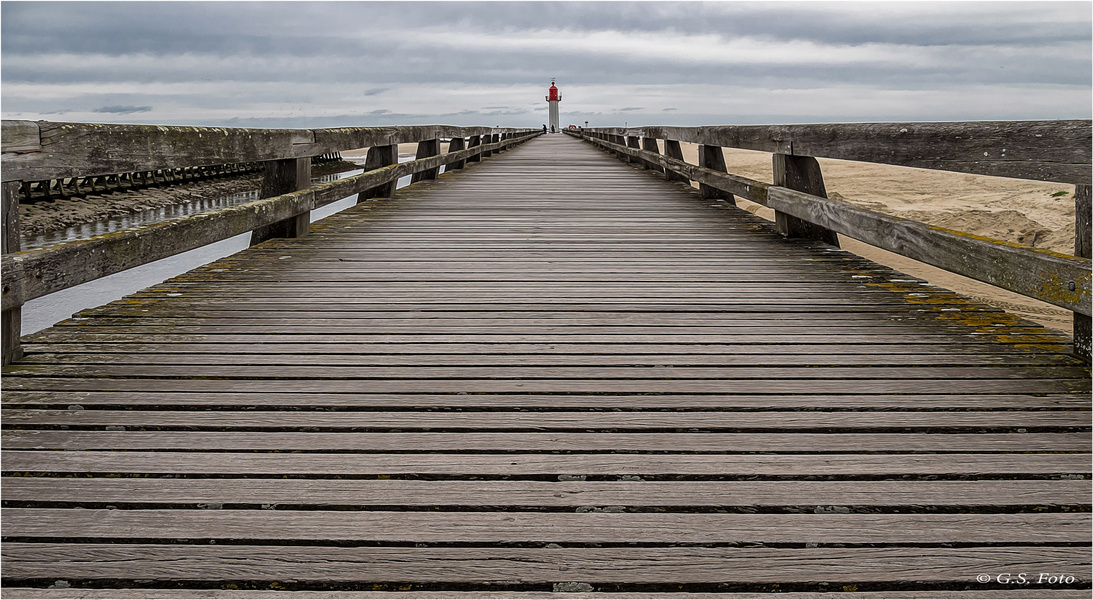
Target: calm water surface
(47, 310)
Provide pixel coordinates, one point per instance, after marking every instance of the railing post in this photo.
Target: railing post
(632, 142)
(650, 145)
(455, 146)
(476, 140)
(801, 173)
(713, 158)
(283, 177)
(672, 149)
(1083, 248)
(425, 149)
(487, 139)
(377, 158)
(11, 320)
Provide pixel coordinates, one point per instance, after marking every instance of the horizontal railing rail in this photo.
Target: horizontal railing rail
(1058, 151)
(284, 211)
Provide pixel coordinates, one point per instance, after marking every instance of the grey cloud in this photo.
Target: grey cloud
(122, 110)
(300, 48)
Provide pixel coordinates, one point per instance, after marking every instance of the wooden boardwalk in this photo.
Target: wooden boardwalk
(549, 373)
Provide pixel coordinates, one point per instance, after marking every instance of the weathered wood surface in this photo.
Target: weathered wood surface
(237, 594)
(47, 150)
(1059, 279)
(1042, 150)
(549, 372)
(35, 273)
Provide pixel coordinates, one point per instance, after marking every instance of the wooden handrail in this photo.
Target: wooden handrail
(1052, 151)
(26, 275)
(1056, 151)
(40, 150)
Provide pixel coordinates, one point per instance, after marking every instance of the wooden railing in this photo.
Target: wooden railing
(1057, 151)
(43, 151)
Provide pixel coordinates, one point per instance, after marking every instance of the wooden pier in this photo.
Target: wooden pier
(550, 373)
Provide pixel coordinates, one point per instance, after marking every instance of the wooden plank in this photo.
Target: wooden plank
(545, 420)
(607, 401)
(553, 466)
(694, 495)
(658, 372)
(556, 386)
(723, 443)
(249, 526)
(370, 356)
(535, 565)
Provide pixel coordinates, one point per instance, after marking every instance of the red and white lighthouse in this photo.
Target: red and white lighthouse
(552, 101)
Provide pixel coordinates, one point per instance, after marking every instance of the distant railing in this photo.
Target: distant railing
(1057, 151)
(45, 151)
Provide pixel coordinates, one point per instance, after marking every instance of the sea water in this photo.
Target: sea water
(47, 310)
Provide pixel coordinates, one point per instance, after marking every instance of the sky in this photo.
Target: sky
(333, 64)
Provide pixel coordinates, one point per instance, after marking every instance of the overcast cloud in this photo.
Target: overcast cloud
(327, 64)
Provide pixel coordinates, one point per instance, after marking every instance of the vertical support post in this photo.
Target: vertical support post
(672, 149)
(801, 173)
(455, 146)
(377, 158)
(650, 145)
(476, 140)
(1083, 248)
(487, 139)
(632, 142)
(425, 149)
(11, 320)
(713, 158)
(282, 177)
